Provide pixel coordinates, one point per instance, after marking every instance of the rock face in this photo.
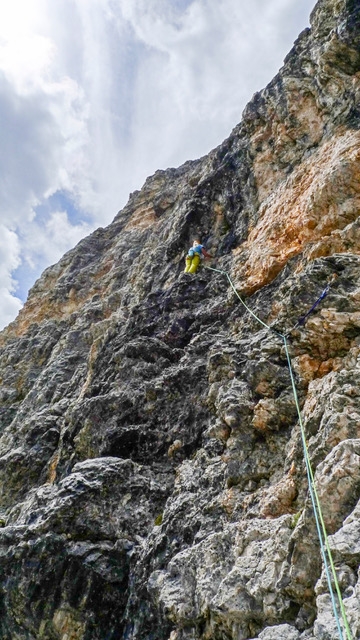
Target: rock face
(152, 477)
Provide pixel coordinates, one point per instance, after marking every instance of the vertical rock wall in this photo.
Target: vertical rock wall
(152, 480)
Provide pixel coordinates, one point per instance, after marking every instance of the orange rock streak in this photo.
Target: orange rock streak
(321, 197)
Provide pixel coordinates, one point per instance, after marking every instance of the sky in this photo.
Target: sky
(96, 95)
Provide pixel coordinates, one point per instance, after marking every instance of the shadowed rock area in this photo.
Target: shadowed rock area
(152, 477)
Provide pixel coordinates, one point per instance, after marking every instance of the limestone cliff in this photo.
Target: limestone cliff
(152, 477)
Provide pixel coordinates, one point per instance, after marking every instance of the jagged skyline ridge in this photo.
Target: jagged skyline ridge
(96, 96)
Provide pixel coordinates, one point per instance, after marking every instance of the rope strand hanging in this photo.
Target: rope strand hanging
(320, 524)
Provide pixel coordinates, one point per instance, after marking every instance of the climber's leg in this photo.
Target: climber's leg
(188, 260)
(195, 263)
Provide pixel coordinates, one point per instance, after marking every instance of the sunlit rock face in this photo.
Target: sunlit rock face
(152, 478)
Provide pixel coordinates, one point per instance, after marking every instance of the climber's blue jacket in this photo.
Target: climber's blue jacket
(198, 249)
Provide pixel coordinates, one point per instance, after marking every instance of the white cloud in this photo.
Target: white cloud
(95, 95)
(9, 260)
(47, 242)
(44, 113)
(9, 254)
(193, 73)
(10, 306)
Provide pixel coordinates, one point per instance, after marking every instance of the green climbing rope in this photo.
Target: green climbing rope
(319, 520)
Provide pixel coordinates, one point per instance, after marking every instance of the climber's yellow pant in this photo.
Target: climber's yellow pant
(192, 263)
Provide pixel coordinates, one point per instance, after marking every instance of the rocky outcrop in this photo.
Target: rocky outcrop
(152, 477)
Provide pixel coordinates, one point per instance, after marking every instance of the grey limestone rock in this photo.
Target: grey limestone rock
(280, 632)
(152, 475)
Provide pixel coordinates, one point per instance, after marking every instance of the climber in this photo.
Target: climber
(194, 256)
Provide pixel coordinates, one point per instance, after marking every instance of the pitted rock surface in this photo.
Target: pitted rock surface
(152, 476)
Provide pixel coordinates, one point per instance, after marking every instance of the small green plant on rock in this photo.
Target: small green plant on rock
(295, 519)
